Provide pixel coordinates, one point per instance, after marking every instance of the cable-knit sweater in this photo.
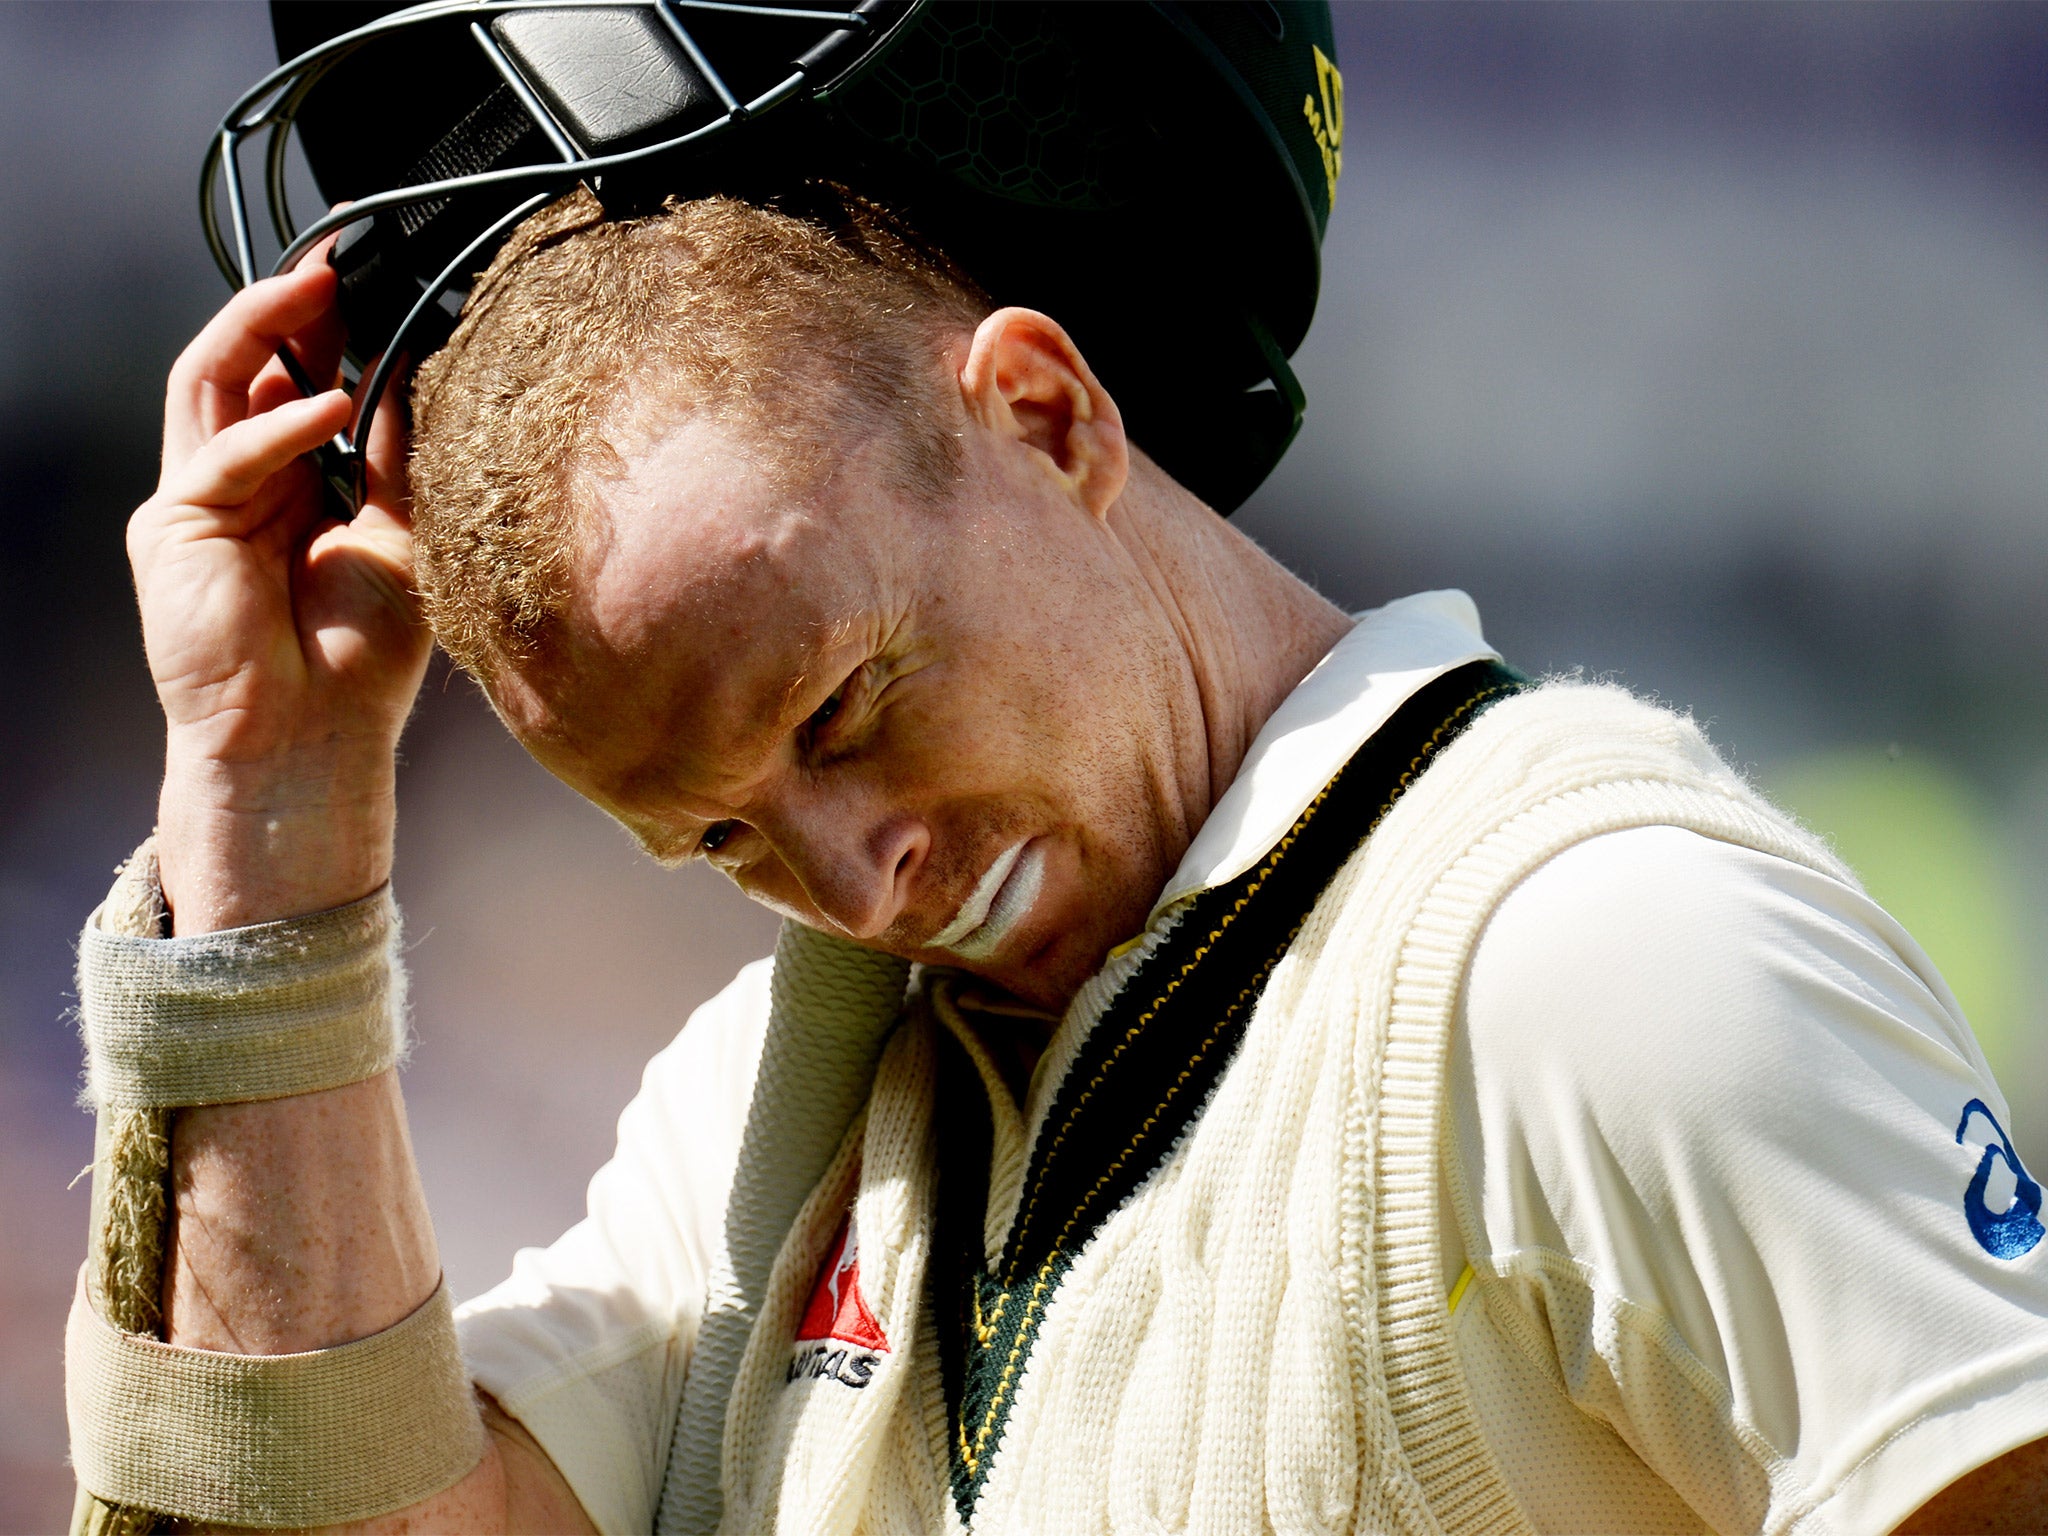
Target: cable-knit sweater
(1256, 1339)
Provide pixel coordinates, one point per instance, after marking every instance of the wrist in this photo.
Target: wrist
(242, 844)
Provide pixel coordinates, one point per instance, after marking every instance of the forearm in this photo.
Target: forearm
(301, 1224)
(296, 1227)
(298, 1223)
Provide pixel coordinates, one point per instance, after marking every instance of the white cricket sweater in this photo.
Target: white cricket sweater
(1699, 1098)
(1258, 1338)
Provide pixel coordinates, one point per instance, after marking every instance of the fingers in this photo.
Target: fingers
(317, 347)
(386, 491)
(318, 350)
(234, 464)
(210, 382)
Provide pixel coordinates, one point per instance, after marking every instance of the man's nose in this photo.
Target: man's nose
(858, 863)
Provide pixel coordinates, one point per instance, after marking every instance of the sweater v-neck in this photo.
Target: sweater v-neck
(1387, 656)
(1139, 1081)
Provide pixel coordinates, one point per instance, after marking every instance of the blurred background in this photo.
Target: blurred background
(1705, 345)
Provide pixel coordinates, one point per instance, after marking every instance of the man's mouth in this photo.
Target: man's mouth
(999, 901)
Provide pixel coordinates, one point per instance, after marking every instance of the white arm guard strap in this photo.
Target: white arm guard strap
(248, 1013)
(268, 1441)
(273, 1441)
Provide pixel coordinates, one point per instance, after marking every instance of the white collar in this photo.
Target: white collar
(1386, 656)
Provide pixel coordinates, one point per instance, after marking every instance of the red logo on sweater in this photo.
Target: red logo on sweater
(838, 1310)
(838, 1338)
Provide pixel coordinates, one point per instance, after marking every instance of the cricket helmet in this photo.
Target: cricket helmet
(1156, 176)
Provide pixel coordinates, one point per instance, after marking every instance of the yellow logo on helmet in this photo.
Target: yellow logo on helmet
(1326, 120)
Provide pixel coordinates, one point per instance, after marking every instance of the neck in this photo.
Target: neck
(1249, 628)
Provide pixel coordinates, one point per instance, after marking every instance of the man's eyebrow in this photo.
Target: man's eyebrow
(667, 850)
(830, 638)
(660, 843)
(795, 690)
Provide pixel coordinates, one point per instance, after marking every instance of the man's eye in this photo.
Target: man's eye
(715, 836)
(823, 715)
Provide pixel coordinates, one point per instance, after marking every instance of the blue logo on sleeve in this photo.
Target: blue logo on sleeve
(2012, 1232)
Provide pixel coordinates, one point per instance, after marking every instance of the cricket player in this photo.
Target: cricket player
(1230, 1065)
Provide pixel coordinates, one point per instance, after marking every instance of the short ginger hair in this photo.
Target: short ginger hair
(819, 306)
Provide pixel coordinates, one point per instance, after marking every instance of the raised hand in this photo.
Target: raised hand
(286, 647)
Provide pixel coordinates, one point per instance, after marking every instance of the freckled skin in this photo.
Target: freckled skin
(973, 719)
(1019, 668)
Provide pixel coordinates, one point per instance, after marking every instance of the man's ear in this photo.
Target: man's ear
(1026, 381)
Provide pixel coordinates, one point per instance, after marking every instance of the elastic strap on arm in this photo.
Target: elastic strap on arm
(324, 1437)
(271, 1441)
(264, 1012)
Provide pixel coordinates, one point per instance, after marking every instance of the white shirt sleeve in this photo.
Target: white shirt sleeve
(1725, 1149)
(587, 1342)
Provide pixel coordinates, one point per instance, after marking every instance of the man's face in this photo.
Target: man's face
(961, 733)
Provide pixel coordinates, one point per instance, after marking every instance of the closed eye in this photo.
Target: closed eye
(824, 714)
(840, 707)
(811, 734)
